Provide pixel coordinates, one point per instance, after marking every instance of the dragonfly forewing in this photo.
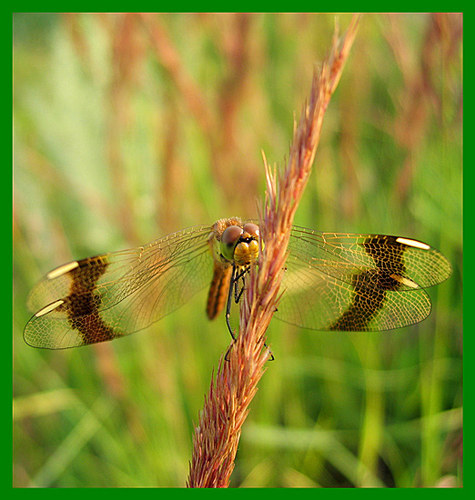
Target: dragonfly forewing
(118, 293)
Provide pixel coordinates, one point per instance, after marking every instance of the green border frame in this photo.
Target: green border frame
(7, 202)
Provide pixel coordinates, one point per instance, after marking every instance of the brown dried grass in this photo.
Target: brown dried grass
(226, 406)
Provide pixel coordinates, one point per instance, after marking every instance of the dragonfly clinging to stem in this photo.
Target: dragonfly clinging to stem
(332, 281)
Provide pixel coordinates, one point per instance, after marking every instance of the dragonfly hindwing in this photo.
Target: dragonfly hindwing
(371, 286)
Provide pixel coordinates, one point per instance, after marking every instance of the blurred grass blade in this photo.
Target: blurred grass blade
(44, 403)
(322, 441)
(72, 445)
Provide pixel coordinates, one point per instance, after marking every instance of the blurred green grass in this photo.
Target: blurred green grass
(127, 129)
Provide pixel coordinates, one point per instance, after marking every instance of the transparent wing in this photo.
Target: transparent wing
(115, 294)
(357, 282)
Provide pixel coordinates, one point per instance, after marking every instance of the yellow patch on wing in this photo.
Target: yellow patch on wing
(413, 243)
(404, 281)
(49, 308)
(59, 271)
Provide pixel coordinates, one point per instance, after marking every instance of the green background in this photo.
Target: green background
(126, 129)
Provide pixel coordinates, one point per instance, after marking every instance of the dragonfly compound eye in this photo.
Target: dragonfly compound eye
(252, 230)
(229, 240)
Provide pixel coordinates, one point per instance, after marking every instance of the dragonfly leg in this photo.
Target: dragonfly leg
(235, 277)
(268, 348)
(238, 295)
(226, 357)
(228, 312)
(228, 303)
(271, 358)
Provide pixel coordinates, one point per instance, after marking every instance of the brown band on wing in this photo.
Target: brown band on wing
(387, 254)
(82, 303)
(370, 287)
(218, 291)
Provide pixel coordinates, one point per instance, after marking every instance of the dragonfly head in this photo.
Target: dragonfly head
(241, 244)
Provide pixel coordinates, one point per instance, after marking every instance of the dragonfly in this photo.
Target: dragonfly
(331, 282)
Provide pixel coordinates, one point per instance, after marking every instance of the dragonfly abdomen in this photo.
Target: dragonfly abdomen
(218, 291)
